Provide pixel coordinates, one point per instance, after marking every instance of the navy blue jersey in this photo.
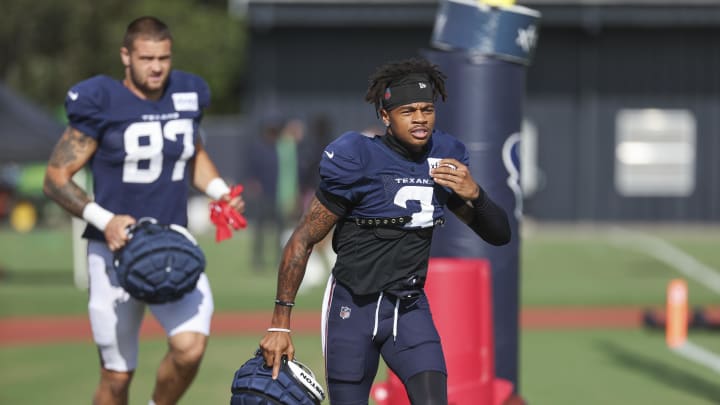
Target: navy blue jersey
(380, 183)
(377, 182)
(141, 165)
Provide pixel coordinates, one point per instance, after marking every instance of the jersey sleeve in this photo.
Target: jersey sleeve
(464, 155)
(83, 104)
(342, 168)
(189, 82)
(203, 94)
(458, 150)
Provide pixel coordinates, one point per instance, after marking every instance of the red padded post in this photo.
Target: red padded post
(460, 294)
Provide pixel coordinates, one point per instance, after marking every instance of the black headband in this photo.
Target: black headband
(415, 90)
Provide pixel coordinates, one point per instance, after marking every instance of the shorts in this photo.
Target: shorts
(357, 330)
(116, 317)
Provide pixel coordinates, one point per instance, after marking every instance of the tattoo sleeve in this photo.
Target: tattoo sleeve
(70, 154)
(315, 224)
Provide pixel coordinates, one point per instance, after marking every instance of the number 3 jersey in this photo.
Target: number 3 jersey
(389, 205)
(141, 165)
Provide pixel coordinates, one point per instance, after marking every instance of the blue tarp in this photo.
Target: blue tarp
(27, 132)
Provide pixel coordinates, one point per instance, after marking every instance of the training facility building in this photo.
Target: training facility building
(622, 108)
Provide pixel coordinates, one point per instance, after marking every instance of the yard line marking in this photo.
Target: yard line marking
(669, 254)
(700, 355)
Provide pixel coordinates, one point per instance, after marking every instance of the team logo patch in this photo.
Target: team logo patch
(345, 312)
(433, 163)
(185, 101)
(388, 94)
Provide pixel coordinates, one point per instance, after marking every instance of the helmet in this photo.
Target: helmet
(295, 385)
(160, 263)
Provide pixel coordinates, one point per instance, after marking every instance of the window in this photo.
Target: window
(655, 153)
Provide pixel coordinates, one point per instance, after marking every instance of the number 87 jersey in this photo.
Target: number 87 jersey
(141, 166)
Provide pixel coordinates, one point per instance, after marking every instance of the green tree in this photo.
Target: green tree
(47, 45)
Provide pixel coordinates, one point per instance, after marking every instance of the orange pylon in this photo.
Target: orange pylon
(676, 323)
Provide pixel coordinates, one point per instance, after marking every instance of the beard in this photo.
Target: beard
(142, 83)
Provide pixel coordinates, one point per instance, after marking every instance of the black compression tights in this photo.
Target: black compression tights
(427, 388)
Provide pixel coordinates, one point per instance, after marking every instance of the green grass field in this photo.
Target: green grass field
(561, 266)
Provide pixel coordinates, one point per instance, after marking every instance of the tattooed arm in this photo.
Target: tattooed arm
(315, 224)
(71, 153)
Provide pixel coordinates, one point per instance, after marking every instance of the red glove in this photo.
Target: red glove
(225, 217)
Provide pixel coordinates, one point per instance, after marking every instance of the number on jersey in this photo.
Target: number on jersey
(422, 194)
(151, 150)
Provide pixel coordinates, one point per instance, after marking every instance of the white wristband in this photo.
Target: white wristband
(97, 215)
(278, 330)
(217, 188)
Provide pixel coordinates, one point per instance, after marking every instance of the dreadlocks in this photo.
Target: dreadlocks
(393, 72)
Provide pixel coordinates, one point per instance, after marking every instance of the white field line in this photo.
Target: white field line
(685, 264)
(669, 254)
(699, 355)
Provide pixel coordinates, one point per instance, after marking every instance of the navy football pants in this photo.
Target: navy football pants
(406, 338)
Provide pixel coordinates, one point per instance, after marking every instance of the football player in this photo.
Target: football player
(384, 195)
(140, 138)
